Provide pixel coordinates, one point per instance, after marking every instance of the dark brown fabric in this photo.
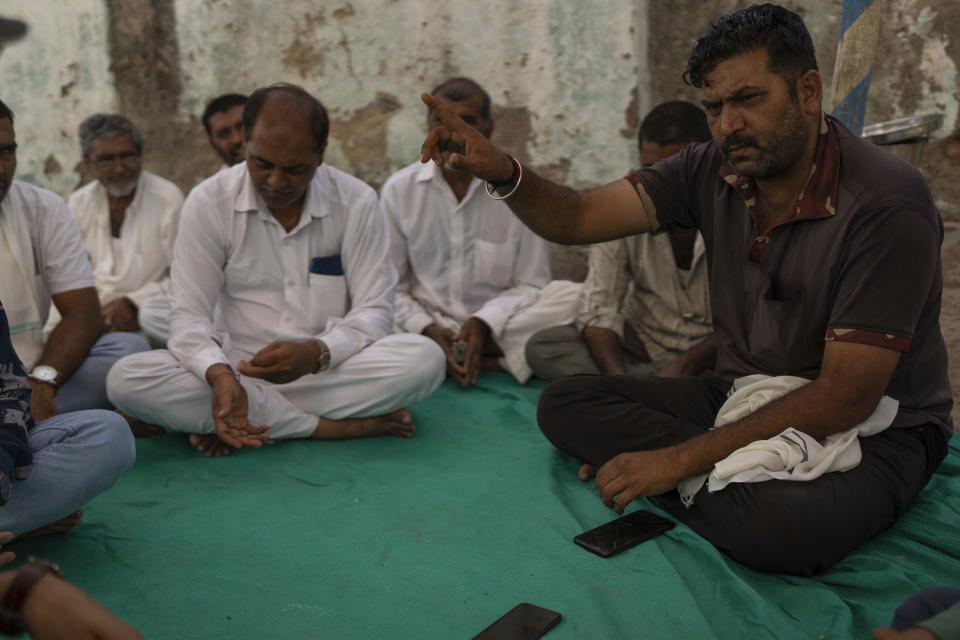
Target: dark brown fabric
(782, 526)
(870, 273)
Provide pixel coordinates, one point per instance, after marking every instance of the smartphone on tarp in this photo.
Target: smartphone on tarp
(524, 622)
(621, 534)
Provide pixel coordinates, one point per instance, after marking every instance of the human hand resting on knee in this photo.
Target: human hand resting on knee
(281, 362)
(632, 475)
(120, 315)
(445, 337)
(473, 334)
(43, 401)
(230, 410)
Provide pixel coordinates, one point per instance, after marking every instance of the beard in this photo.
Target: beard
(231, 156)
(782, 152)
(120, 187)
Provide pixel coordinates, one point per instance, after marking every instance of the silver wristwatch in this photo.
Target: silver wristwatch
(45, 374)
(323, 360)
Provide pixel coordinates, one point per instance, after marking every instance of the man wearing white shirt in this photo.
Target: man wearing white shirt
(645, 305)
(128, 221)
(42, 261)
(472, 277)
(297, 254)
(223, 121)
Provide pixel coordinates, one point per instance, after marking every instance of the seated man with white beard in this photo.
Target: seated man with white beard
(296, 253)
(42, 265)
(128, 222)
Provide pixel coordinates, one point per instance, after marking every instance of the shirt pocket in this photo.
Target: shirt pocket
(779, 336)
(493, 263)
(328, 297)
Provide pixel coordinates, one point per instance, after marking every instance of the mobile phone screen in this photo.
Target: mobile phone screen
(621, 534)
(524, 622)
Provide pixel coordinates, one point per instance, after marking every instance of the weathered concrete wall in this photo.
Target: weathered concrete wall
(569, 79)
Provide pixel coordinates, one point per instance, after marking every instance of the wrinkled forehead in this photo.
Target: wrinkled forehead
(732, 75)
(470, 105)
(229, 118)
(122, 143)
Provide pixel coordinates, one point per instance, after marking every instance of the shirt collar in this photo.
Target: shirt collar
(431, 172)
(316, 204)
(819, 196)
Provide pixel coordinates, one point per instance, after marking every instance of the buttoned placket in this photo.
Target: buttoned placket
(294, 247)
(461, 246)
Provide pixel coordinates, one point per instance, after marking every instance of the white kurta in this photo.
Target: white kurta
(636, 280)
(329, 278)
(137, 264)
(472, 258)
(39, 227)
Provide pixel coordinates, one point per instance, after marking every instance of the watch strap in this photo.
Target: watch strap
(11, 609)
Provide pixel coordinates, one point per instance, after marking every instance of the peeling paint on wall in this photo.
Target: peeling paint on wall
(363, 137)
(569, 81)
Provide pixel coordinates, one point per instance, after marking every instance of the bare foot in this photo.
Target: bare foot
(586, 472)
(210, 445)
(60, 526)
(398, 423)
(140, 428)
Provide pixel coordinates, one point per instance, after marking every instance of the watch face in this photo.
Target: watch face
(45, 373)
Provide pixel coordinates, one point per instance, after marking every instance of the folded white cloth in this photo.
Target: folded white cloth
(791, 455)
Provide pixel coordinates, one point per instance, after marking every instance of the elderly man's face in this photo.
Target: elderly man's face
(226, 134)
(115, 162)
(8, 156)
(469, 110)
(281, 157)
(761, 128)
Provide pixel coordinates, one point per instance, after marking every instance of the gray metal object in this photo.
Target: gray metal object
(905, 137)
(903, 130)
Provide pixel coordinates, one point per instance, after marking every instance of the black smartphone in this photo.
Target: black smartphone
(524, 622)
(621, 534)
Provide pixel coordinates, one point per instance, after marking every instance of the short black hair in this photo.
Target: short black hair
(675, 122)
(779, 31)
(5, 111)
(319, 120)
(459, 89)
(220, 104)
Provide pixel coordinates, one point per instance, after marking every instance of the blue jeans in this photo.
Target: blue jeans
(87, 387)
(75, 457)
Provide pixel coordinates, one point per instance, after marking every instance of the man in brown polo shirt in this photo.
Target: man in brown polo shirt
(824, 254)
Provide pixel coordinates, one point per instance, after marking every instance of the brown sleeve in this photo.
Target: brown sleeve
(673, 185)
(889, 275)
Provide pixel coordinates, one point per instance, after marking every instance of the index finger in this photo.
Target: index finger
(445, 115)
(269, 355)
(255, 371)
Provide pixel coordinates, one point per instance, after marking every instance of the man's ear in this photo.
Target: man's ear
(810, 92)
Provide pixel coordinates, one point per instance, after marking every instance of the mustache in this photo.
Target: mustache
(735, 141)
(276, 193)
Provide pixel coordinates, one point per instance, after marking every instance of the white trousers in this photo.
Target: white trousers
(556, 303)
(389, 374)
(154, 319)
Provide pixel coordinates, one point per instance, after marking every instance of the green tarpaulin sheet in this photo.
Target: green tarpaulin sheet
(439, 535)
